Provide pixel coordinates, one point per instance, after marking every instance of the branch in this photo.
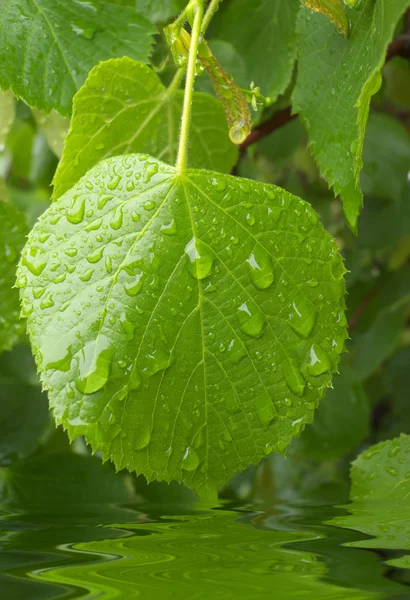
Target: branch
(400, 46)
(278, 120)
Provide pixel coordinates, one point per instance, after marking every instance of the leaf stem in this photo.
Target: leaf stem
(212, 9)
(175, 83)
(198, 6)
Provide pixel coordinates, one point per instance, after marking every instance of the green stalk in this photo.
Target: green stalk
(174, 85)
(189, 86)
(212, 9)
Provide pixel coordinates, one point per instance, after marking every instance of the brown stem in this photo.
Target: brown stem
(277, 121)
(400, 46)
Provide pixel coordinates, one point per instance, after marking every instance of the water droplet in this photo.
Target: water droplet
(35, 266)
(251, 319)
(133, 287)
(319, 361)
(293, 377)
(260, 269)
(391, 471)
(250, 219)
(200, 260)
(190, 460)
(150, 205)
(265, 409)
(169, 228)
(117, 218)
(239, 132)
(95, 256)
(38, 292)
(142, 435)
(113, 184)
(94, 365)
(302, 317)
(236, 351)
(87, 275)
(48, 302)
(75, 214)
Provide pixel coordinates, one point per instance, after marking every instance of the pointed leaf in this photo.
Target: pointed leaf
(336, 80)
(124, 108)
(13, 231)
(333, 9)
(47, 47)
(185, 324)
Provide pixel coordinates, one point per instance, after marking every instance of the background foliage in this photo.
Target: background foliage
(314, 136)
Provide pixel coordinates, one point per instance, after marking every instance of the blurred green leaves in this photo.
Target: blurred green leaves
(47, 48)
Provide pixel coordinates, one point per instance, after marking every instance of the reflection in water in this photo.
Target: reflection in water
(112, 552)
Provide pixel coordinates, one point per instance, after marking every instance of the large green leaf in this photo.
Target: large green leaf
(379, 495)
(263, 32)
(13, 231)
(124, 108)
(333, 9)
(336, 80)
(185, 324)
(47, 47)
(155, 10)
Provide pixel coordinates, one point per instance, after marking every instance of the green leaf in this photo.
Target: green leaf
(341, 422)
(333, 9)
(24, 416)
(379, 496)
(124, 108)
(155, 10)
(55, 128)
(185, 324)
(13, 231)
(47, 47)
(61, 479)
(386, 157)
(7, 115)
(263, 32)
(336, 80)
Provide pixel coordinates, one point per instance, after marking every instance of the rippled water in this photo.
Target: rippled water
(126, 552)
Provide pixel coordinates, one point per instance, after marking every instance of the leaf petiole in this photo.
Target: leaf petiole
(198, 11)
(212, 9)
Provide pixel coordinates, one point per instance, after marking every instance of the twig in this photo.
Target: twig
(278, 120)
(400, 46)
(361, 309)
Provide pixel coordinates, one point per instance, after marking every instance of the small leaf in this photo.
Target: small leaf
(7, 114)
(333, 9)
(123, 108)
(263, 32)
(13, 231)
(336, 79)
(47, 47)
(173, 317)
(55, 128)
(379, 496)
